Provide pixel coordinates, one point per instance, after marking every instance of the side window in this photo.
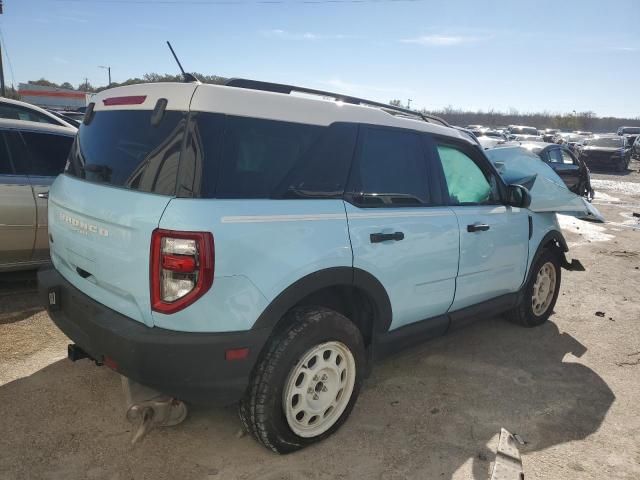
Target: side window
(47, 153)
(467, 184)
(258, 154)
(566, 158)
(259, 158)
(555, 155)
(5, 161)
(17, 152)
(16, 112)
(390, 169)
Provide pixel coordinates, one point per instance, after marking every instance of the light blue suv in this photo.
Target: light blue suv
(244, 243)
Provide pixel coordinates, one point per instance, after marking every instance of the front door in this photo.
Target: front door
(399, 229)
(494, 238)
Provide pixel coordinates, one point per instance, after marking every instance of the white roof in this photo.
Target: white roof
(23, 125)
(263, 104)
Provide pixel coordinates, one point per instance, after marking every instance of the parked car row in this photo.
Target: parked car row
(32, 155)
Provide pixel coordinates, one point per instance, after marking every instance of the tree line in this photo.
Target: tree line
(588, 121)
(585, 121)
(146, 78)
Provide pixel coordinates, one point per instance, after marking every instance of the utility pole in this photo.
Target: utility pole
(108, 69)
(2, 89)
(409, 103)
(86, 84)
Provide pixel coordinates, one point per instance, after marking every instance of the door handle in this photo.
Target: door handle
(43, 195)
(383, 237)
(478, 227)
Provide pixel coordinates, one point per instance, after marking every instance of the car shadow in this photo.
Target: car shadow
(429, 412)
(20, 287)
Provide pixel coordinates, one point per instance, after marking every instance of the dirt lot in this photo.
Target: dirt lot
(571, 388)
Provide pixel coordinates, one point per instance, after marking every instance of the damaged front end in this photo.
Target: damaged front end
(548, 192)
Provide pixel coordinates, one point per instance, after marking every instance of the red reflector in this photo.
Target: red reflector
(130, 100)
(179, 263)
(236, 354)
(111, 363)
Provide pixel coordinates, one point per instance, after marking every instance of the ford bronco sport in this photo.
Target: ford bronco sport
(247, 244)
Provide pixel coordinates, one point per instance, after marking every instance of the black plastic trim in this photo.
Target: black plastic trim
(329, 277)
(190, 366)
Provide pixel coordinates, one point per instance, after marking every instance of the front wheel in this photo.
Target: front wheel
(307, 383)
(539, 295)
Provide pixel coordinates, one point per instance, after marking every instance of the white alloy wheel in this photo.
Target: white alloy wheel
(543, 289)
(318, 389)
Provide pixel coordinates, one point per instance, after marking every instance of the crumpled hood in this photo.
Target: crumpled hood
(517, 165)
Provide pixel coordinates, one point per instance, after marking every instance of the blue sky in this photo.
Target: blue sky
(538, 55)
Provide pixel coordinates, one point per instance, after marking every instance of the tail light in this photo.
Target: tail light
(181, 270)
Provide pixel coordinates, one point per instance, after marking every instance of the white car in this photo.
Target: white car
(17, 110)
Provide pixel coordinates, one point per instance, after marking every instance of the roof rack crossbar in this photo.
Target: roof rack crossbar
(287, 89)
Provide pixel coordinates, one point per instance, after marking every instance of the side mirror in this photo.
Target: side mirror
(518, 196)
(500, 166)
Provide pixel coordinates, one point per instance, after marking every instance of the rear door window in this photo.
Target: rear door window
(47, 153)
(390, 169)
(16, 112)
(259, 158)
(122, 148)
(567, 159)
(555, 155)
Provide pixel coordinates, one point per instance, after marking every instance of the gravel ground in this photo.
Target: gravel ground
(571, 388)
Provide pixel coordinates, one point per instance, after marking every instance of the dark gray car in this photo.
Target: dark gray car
(32, 154)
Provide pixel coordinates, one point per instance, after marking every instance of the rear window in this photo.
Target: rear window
(122, 148)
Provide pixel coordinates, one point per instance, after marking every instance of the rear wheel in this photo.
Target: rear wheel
(621, 166)
(540, 293)
(307, 383)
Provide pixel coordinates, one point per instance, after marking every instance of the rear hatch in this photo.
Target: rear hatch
(121, 174)
(549, 193)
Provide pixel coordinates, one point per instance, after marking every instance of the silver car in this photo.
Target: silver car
(32, 155)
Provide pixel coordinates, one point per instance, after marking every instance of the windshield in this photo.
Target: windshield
(607, 142)
(524, 131)
(634, 130)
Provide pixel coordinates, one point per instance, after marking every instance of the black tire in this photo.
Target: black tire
(621, 166)
(261, 410)
(523, 314)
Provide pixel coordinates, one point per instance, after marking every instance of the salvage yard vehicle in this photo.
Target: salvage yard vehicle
(17, 110)
(32, 154)
(573, 171)
(244, 244)
(610, 151)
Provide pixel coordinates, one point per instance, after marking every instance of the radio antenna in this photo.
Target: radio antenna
(188, 77)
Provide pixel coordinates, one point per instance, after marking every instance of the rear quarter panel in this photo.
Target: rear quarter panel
(261, 248)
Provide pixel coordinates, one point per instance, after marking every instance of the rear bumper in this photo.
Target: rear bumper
(188, 366)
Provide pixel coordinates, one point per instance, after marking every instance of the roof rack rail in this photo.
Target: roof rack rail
(287, 89)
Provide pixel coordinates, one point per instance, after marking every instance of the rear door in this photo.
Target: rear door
(565, 166)
(47, 154)
(122, 172)
(494, 238)
(400, 232)
(17, 206)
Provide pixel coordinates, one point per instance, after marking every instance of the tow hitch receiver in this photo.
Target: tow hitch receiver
(148, 409)
(508, 464)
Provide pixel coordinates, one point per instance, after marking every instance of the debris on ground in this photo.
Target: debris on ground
(599, 314)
